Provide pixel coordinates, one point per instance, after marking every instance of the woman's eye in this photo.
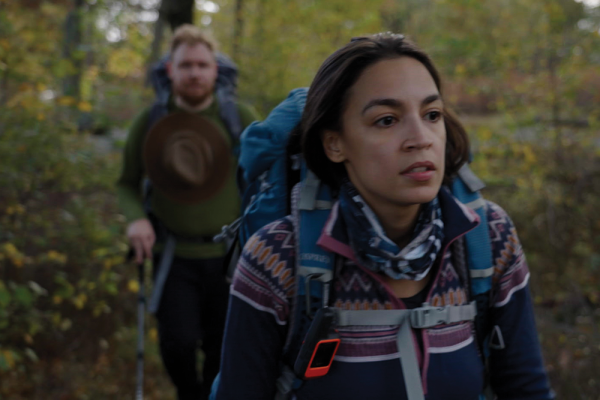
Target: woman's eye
(386, 121)
(433, 116)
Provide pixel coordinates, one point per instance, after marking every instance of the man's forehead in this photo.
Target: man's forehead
(198, 51)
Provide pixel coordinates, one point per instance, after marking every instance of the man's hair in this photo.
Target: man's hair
(191, 35)
(328, 96)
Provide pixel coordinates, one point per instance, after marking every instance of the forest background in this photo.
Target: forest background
(524, 76)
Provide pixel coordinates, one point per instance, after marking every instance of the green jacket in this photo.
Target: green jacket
(203, 219)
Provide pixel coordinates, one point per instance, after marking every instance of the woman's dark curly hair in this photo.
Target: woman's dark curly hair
(329, 92)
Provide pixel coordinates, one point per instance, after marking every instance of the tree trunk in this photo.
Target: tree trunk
(159, 29)
(72, 44)
(238, 29)
(177, 12)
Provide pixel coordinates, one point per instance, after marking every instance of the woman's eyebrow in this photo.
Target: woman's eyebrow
(430, 99)
(382, 102)
(398, 104)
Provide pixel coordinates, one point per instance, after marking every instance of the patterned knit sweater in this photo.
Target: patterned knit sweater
(367, 365)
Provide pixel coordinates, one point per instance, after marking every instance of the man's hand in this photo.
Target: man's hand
(141, 237)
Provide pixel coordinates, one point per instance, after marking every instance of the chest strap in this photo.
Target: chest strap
(419, 318)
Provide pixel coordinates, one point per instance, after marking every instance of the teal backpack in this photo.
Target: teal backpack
(270, 165)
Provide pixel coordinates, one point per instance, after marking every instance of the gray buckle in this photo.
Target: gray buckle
(428, 316)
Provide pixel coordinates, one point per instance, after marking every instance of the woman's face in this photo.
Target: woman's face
(393, 138)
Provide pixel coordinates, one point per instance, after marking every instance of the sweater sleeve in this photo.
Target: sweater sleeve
(132, 170)
(257, 318)
(516, 365)
(248, 114)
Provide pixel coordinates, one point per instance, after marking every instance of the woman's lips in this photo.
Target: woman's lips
(420, 171)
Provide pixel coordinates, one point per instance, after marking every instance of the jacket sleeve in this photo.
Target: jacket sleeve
(132, 170)
(257, 318)
(516, 365)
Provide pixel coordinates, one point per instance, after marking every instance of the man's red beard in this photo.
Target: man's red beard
(192, 100)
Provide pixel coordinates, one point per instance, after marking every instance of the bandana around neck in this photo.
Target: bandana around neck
(377, 252)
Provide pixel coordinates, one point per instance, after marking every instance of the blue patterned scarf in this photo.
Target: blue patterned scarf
(377, 252)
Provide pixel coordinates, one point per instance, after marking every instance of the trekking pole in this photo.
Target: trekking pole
(139, 393)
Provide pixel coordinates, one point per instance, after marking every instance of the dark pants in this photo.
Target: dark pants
(192, 308)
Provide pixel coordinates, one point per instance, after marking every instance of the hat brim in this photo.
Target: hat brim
(162, 179)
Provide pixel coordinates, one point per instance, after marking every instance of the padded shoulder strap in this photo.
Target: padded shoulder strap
(477, 241)
(228, 111)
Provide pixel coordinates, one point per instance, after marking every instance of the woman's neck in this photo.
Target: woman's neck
(399, 223)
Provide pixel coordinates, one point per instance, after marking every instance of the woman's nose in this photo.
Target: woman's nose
(415, 134)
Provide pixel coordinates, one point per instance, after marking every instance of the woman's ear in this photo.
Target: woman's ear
(332, 144)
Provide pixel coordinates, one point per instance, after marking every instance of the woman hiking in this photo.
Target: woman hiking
(377, 131)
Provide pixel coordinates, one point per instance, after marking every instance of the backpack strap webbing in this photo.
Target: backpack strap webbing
(477, 242)
(419, 318)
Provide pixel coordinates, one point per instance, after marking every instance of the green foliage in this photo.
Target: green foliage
(60, 240)
(284, 43)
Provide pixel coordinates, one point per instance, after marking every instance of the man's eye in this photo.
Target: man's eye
(386, 121)
(433, 116)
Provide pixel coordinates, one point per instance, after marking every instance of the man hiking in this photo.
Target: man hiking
(184, 145)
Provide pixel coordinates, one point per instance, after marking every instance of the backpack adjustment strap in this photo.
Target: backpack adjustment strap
(481, 273)
(317, 274)
(309, 192)
(470, 179)
(228, 231)
(419, 318)
(285, 383)
(427, 316)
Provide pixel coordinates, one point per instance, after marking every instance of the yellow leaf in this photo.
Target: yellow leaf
(562, 338)
(8, 357)
(28, 339)
(66, 101)
(153, 334)
(133, 286)
(530, 157)
(10, 249)
(460, 69)
(40, 117)
(80, 301)
(84, 106)
(66, 324)
(57, 299)
(57, 257)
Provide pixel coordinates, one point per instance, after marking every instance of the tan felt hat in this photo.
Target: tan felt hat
(187, 157)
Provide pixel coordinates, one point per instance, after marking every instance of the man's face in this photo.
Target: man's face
(193, 72)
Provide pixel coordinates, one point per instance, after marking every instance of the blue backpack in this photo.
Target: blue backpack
(270, 165)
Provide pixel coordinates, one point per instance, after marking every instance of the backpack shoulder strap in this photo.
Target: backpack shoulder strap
(229, 113)
(157, 111)
(311, 203)
(477, 242)
(225, 90)
(473, 258)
